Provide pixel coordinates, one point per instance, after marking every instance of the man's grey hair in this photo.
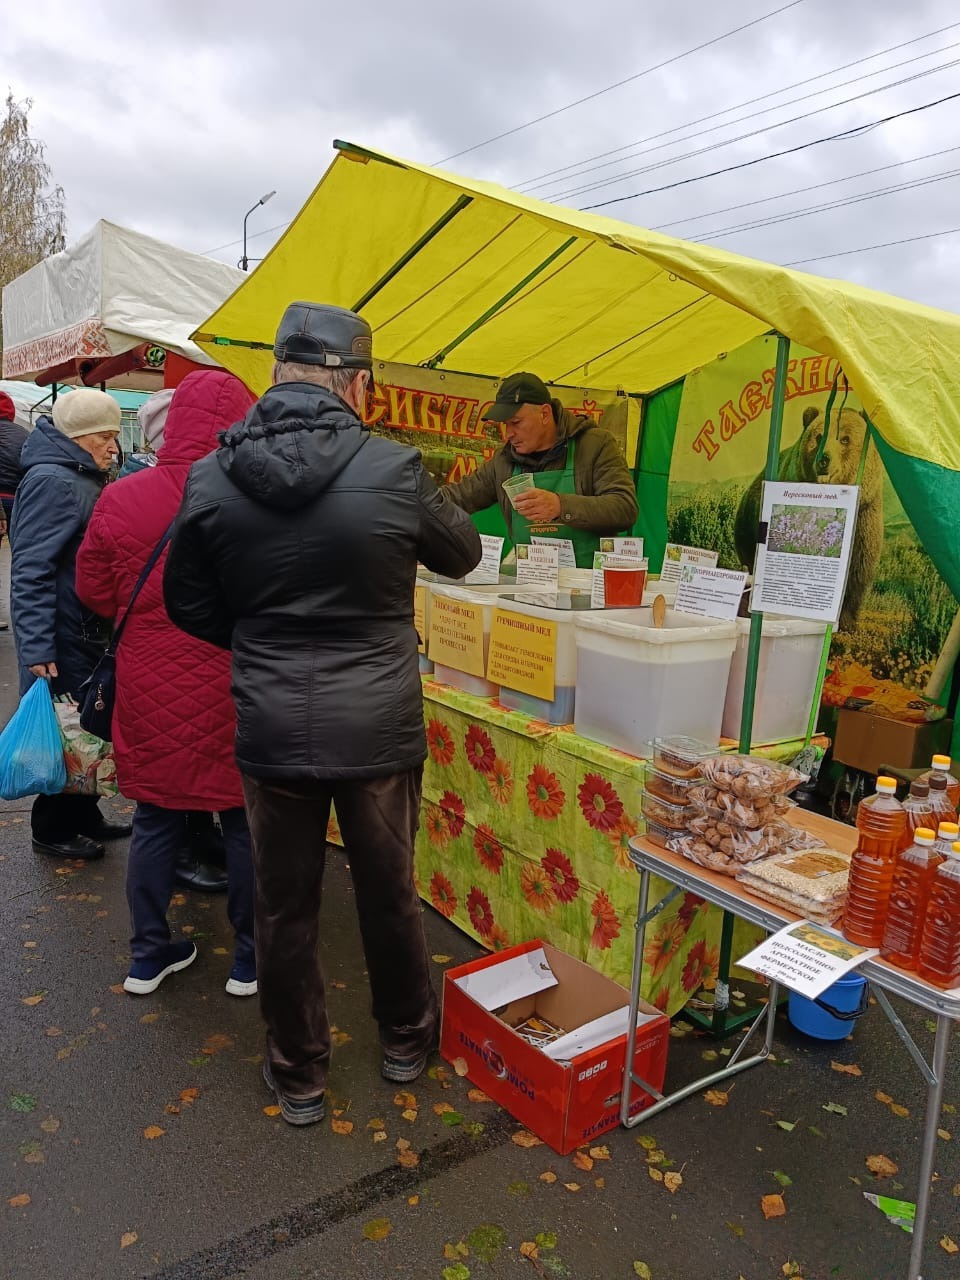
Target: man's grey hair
(334, 379)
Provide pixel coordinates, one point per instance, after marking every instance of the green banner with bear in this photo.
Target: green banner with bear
(897, 610)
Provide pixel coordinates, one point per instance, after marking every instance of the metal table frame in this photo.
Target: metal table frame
(882, 979)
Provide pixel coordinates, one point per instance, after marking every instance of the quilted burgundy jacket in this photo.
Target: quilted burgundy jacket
(174, 722)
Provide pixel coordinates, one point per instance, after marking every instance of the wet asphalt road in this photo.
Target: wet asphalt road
(86, 1072)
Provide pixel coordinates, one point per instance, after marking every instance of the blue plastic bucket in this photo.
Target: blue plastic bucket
(832, 1015)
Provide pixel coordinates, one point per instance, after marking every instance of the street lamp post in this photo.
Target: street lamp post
(245, 261)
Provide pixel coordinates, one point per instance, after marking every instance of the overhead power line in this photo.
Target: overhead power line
(868, 248)
(549, 115)
(803, 146)
(753, 133)
(641, 142)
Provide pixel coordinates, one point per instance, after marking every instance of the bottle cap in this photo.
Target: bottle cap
(940, 762)
(948, 831)
(887, 785)
(956, 847)
(938, 782)
(920, 789)
(923, 835)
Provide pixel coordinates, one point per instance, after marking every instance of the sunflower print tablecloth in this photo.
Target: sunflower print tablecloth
(523, 833)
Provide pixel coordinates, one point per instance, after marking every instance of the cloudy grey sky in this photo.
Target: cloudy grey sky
(173, 118)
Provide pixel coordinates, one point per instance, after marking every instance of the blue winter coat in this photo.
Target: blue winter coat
(54, 503)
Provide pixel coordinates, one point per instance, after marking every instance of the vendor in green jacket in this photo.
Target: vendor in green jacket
(583, 486)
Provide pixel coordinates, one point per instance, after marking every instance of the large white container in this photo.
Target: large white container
(790, 651)
(636, 681)
(486, 600)
(559, 709)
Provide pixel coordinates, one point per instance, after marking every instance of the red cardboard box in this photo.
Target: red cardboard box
(567, 1105)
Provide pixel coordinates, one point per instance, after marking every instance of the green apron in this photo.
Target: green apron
(584, 542)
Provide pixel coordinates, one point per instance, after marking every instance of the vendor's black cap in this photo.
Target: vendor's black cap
(519, 388)
(311, 333)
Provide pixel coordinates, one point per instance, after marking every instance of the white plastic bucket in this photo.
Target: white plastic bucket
(790, 651)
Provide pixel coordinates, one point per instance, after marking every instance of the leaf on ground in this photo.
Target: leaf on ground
(949, 1109)
(647, 1141)
(783, 1178)
(882, 1166)
(53, 1032)
(773, 1206)
(787, 1125)
(600, 1153)
(409, 1114)
(717, 1097)
(548, 1176)
(441, 959)
(457, 1272)
(945, 1134)
(148, 1018)
(451, 1119)
(189, 1096)
(897, 1110)
(817, 1133)
(219, 951)
(34, 1155)
(835, 1108)
(846, 1068)
(440, 1108)
(453, 1251)
(477, 1095)
(486, 1241)
(655, 1174)
(50, 1125)
(572, 1186)
(403, 1144)
(709, 1055)
(948, 1245)
(642, 1270)
(413, 1201)
(546, 1240)
(883, 1097)
(378, 1123)
(377, 1229)
(342, 1127)
(524, 1138)
(379, 1135)
(582, 1162)
(127, 1239)
(791, 1269)
(673, 1182)
(735, 1228)
(153, 1131)
(600, 1183)
(519, 1188)
(408, 1159)
(460, 1066)
(528, 1249)
(272, 1110)
(405, 1101)
(473, 1128)
(341, 1038)
(215, 1043)
(36, 998)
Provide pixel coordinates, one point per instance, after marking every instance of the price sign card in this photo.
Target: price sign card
(523, 654)
(675, 553)
(487, 571)
(802, 565)
(709, 593)
(567, 559)
(538, 564)
(806, 958)
(456, 635)
(623, 546)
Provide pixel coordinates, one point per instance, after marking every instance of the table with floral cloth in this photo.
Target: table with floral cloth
(523, 833)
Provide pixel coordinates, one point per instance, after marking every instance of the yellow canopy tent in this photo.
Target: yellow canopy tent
(457, 272)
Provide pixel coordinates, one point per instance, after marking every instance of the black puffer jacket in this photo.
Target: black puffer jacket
(53, 507)
(296, 546)
(12, 440)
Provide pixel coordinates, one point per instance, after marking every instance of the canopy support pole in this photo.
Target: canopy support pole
(458, 206)
(770, 473)
(498, 305)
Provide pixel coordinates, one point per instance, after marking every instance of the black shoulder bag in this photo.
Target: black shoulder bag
(98, 693)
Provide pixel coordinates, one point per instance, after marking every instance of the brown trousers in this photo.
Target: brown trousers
(378, 819)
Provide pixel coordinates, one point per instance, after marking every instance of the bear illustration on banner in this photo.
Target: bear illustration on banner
(897, 610)
(837, 464)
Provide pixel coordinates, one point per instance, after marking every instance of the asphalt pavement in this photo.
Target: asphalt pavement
(135, 1142)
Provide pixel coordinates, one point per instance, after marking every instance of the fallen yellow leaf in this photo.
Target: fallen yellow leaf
(847, 1069)
(453, 1251)
(438, 959)
(881, 1166)
(213, 1044)
(153, 1131)
(188, 1096)
(403, 1144)
(272, 1110)
(441, 1108)
(375, 1124)
(219, 951)
(673, 1182)
(127, 1239)
(409, 1114)
(883, 1097)
(600, 1183)
(379, 1135)
(523, 1138)
(583, 1162)
(945, 1134)
(148, 1018)
(477, 1095)
(717, 1097)
(411, 1200)
(948, 1245)
(528, 1249)
(404, 1100)
(31, 1000)
(642, 1270)
(18, 1202)
(171, 1109)
(600, 1153)
(655, 1173)
(773, 1207)
(117, 988)
(341, 1038)
(54, 1031)
(460, 1066)
(377, 1229)
(572, 1186)
(548, 1176)
(898, 1110)
(50, 1125)
(342, 1126)
(409, 1159)
(34, 1157)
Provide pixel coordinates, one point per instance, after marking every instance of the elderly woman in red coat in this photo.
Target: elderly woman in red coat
(174, 719)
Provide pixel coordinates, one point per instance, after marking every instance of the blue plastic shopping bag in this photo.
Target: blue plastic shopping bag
(31, 750)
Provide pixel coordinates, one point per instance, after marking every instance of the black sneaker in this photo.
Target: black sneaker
(295, 1110)
(146, 975)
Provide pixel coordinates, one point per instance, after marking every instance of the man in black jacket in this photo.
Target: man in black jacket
(12, 439)
(296, 546)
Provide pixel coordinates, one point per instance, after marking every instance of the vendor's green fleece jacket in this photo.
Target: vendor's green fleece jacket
(606, 499)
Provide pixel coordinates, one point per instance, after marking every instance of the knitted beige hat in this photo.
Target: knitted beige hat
(85, 411)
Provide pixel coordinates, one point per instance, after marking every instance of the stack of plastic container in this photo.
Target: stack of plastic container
(677, 768)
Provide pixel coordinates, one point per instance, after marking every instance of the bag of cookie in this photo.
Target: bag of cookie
(750, 778)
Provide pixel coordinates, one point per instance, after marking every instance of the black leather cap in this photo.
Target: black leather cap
(312, 333)
(518, 389)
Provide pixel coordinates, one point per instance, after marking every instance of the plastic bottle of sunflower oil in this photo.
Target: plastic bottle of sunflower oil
(941, 765)
(940, 943)
(913, 877)
(948, 833)
(920, 812)
(881, 822)
(940, 801)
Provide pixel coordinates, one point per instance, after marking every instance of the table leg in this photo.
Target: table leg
(928, 1150)
(640, 930)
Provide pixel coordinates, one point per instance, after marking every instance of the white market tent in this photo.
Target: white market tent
(108, 309)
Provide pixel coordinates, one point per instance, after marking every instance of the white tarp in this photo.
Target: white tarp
(113, 290)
